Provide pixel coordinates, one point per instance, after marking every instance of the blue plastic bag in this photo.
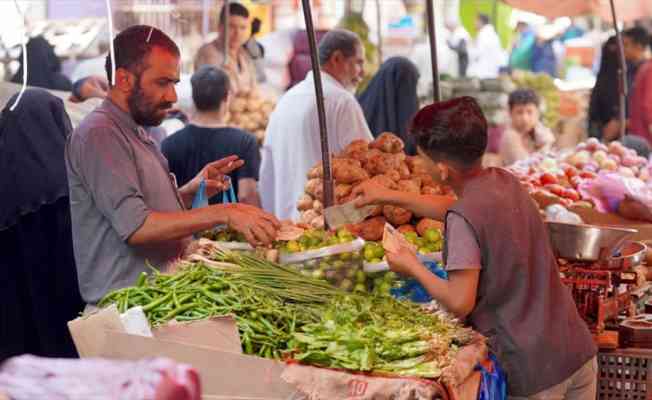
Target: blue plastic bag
(201, 199)
(493, 385)
(412, 290)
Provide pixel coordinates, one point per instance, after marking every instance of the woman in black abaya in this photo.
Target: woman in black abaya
(38, 282)
(390, 101)
(43, 67)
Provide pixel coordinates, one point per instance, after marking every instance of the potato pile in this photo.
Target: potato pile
(250, 111)
(382, 161)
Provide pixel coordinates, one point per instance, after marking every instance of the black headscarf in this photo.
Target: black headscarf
(43, 67)
(32, 143)
(390, 100)
(604, 103)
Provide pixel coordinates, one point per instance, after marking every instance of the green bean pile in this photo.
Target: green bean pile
(269, 302)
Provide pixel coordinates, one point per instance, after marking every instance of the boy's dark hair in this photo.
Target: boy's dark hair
(638, 35)
(521, 97)
(236, 9)
(484, 18)
(454, 130)
(210, 88)
(337, 39)
(133, 45)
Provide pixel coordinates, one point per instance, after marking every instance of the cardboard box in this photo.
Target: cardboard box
(212, 347)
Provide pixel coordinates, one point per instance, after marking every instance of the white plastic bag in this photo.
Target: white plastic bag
(609, 189)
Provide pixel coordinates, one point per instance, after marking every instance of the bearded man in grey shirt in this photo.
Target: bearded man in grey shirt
(125, 206)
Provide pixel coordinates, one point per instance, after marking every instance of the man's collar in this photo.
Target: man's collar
(327, 78)
(125, 118)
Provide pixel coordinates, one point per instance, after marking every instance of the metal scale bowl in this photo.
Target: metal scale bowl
(596, 263)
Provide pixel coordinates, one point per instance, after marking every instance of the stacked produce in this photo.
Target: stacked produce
(560, 175)
(284, 315)
(269, 301)
(250, 111)
(374, 334)
(427, 239)
(333, 256)
(382, 161)
(492, 94)
(224, 235)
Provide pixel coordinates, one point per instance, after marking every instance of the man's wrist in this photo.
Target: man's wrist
(186, 195)
(222, 213)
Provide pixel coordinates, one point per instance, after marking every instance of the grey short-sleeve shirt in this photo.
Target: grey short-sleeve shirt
(463, 249)
(117, 176)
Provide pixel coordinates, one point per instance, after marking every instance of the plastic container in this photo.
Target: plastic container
(340, 264)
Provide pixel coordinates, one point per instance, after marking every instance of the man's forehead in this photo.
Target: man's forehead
(163, 63)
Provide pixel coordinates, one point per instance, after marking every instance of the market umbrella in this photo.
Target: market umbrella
(628, 10)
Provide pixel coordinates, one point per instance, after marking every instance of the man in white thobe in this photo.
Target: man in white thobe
(292, 142)
(486, 55)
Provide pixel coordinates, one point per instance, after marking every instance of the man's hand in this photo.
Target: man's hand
(92, 87)
(214, 175)
(256, 225)
(404, 262)
(370, 193)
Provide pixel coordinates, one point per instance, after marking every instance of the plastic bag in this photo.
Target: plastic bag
(493, 385)
(228, 196)
(28, 377)
(559, 213)
(412, 290)
(201, 198)
(609, 189)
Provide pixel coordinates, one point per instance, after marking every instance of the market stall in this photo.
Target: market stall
(295, 332)
(603, 254)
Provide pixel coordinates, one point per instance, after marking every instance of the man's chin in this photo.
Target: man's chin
(151, 121)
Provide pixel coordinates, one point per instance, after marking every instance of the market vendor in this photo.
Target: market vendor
(503, 277)
(525, 134)
(239, 64)
(126, 209)
(292, 144)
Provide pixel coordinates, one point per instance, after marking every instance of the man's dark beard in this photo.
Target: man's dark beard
(142, 110)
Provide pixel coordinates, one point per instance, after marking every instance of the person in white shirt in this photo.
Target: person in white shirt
(486, 54)
(459, 41)
(292, 143)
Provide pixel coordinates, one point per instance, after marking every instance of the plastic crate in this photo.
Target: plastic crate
(625, 374)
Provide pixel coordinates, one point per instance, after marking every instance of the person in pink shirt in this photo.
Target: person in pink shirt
(640, 102)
